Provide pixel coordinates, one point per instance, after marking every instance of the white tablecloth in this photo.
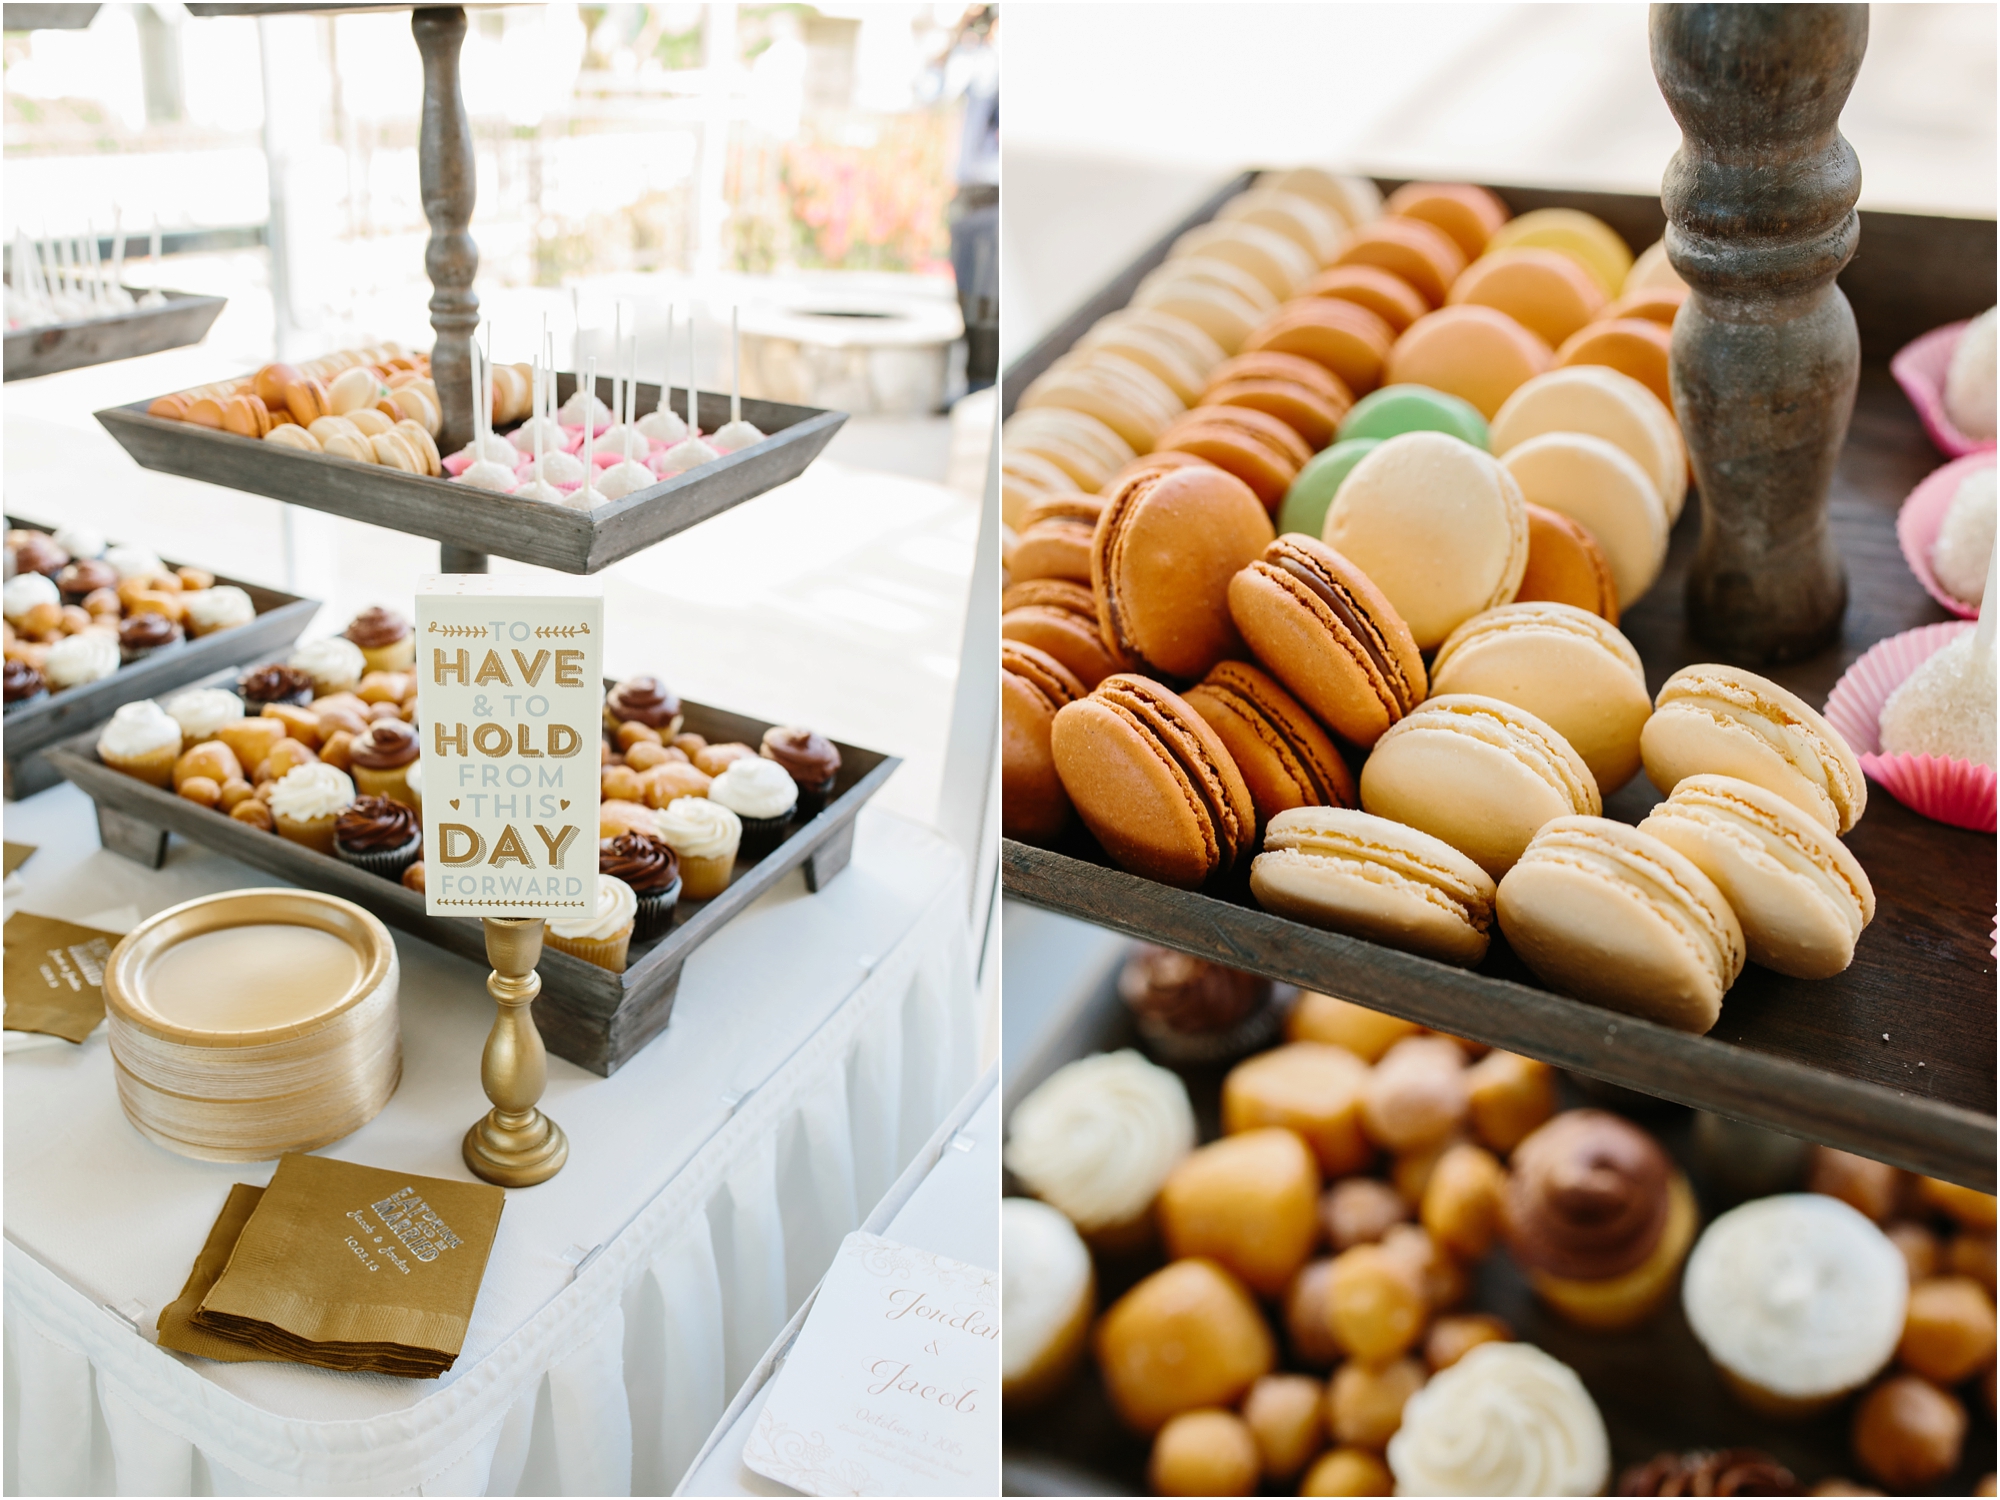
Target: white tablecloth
(952, 1207)
(816, 1043)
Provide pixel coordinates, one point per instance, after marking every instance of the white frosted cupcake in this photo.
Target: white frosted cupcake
(80, 541)
(1047, 1295)
(761, 793)
(307, 803)
(1098, 1139)
(703, 834)
(334, 664)
(143, 741)
(1798, 1299)
(220, 608)
(26, 590)
(89, 656)
(1506, 1419)
(604, 937)
(201, 713)
(129, 560)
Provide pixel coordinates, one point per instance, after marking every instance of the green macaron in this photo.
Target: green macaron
(1397, 409)
(1306, 502)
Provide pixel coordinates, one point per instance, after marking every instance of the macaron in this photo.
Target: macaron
(1166, 549)
(1470, 215)
(1476, 353)
(1059, 617)
(1024, 479)
(1422, 254)
(1157, 462)
(1254, 446)
(1153, 352)
(1392, 410)
(1280, 263)
(1213, 271)
(1152, 782)
(1078, 444)
(1800, 896)
(1200, 351)
(1346, 337)
(1129, 399)
(1306, 502)
(1597, 484)
(1323, 629)
(1312, 226)
(1651, 269)
(1055, 538)
(1354, 199)
(1662, 304)
(1566, 566)
(1585, 238)
(1306, 397)
(1034, 687)
(1383, 293)
(1437, 525)
(1370, 878)
(1566, 666)
(1480, 774)
(1638, 347)
(1608, 914)
(1223, 313)
(1606, 404)
(1726, 721)
(1284, 756)
(1544, 291)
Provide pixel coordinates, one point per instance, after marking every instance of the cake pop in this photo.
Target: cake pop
(736, 434)
(1964, 544)
(539, 424)
(628, 475)
(585, 497)
(486, 472)
(536, 486)
(559, 467)
(691, 452)
(622, 383)
(1946, 706)
(583, 409)
(663, 424)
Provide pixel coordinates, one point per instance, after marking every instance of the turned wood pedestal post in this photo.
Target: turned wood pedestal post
(1760, 209)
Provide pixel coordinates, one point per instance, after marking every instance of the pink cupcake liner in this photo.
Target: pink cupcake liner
(1939, 787)
(1922, 516)
(1919, 368)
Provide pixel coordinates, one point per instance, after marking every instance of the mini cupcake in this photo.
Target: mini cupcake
(413, 783)
(384, 639)
(704, 834)
(605, 937)
(219, 608)
(80, 579)
(37, 552)
(1798, 1299)
(1729, 1471)
(24, 592)
(307, 802)
(381, 756)
(25, 684)
(142, 741)
(810, 759)
(653, 871)
(1598, 1217)
(761, 793)
(76, 660)
(334, 664)
(1507, 1419)
(201, 713)
(139, 636)
(1192, 1011)
(379, 835)
(134, 561)
(643, 700)
(80, 542)
(274, 684)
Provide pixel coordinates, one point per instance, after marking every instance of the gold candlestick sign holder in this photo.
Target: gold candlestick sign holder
(516, 1145)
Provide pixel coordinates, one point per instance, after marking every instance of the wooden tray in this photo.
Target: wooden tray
(570, 541)
(185, 319)
(29, 730)
(1655, 1386)
(1805, 1057)
(596, 1019)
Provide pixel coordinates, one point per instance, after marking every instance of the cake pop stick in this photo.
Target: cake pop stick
(118, 248)
(590, 428)
(154, 296)
(738, 434)
(690, 452)
(483, 473)
(694, 427)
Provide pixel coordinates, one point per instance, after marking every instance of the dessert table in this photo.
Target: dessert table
(816, 1045)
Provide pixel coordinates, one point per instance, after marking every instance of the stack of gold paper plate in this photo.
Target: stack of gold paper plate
(252, 1023)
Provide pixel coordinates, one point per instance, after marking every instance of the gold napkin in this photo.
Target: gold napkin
(342, 1266)
(13, 856)
(55, 975)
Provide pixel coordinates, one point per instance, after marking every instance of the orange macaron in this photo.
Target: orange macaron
(1258, 448)
(1383, 293)
(1566, 566)
(1638, 347)
(1034, 688)
(1059, 616)
(1470, 215)
(1422, 254)
(1055, 538)
(1545, 291)
(1306, 397)
(1661, 304)
(1344, 336)
(1476, 353)
(1286, 759)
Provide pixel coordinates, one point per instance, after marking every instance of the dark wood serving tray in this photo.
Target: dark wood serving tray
(594, 1018)
(28, 731)
(529, 531)
(184, 319)
(1654, 1384)
(1895, 1057)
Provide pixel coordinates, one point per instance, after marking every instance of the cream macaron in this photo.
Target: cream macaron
(1568, 667)
(1315, 228)
(1048, 1293)
(1220, 300)
(1372, 878)
(1727, 721)
(1281, 264)
(1134, 329)
(1440, 527)
(1604, 403)
(1596, 484)
(1075, 442)
(1129, 399)
(1802, 898)
(1608, 914)
(1585, 238)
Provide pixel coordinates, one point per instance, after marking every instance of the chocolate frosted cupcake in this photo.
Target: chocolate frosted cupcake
(1598, 1217)
(1193, 1011)
(1732, 1471)
(82, 578)
(24, 684)
(654, 873)
(643, 700)
(36, 552)
(384, 638)
(276, 683)
(379, 835)
(380, 759)
(809, 758)
(139, 636)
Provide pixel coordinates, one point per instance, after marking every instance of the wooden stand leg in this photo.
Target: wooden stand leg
(830, 858)
(461, 560)
(445, 170)
(132, 837)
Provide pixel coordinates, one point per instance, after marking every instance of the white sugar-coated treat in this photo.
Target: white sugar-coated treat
(1945, 707)
(1964, 544)
(562, 468)
(130, 561)
(623, 479)
(585, 497)
(487, 475)
(612, 440)
(691, 453)
(523, 437)
(1968, 384)
(734, 437)
(1798, 1295)
(534, 489)
(1045, 1291)
(25, 591)
(1507, 1419)
(662, 426)
(579, 402)
(1099, 1136)
(492, 447)
(80, 541)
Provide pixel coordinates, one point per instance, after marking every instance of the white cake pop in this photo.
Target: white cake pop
(691, 452)
(1964, 546)
(663, 424)
(736, 434)
(536, 486)
(622, 437)
(585, 497)
(484, 473)
(628, 476)
(1969, 383)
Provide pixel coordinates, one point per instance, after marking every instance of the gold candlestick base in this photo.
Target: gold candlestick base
(516, 1145)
